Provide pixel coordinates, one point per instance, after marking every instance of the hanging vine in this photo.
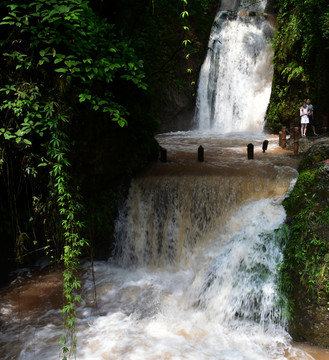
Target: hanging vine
(53, 48)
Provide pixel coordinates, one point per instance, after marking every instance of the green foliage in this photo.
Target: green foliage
(67, 38)
(52, 49)
(306, 253)
(300, 43)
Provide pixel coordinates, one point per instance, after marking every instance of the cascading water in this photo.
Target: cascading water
(194, 274)
(236, 77)
(165, 217)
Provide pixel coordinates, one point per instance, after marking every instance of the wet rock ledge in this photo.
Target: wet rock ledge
(305, 271)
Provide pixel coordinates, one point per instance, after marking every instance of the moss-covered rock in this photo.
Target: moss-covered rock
(318, 152)
(305, 274)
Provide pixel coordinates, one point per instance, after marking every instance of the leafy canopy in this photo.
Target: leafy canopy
(66, 38)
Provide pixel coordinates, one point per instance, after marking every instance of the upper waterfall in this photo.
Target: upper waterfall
(236, 76)
(254, 5)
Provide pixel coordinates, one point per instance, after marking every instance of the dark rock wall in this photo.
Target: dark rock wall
(177, 96)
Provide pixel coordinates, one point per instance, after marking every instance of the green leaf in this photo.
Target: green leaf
(7, 23)
(82, 98)
(122, 122)
(185, 42)
(28, 142)
(61, 70)
(8, 136)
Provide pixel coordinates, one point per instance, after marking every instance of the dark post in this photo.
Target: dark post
(200, 153)
(284, 141)
(250, 148)
(280, 138)
(265, 144)
(296, 137)
(163, 155)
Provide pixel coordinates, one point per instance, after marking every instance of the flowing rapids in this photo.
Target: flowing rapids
(194, 275)
(236, 77)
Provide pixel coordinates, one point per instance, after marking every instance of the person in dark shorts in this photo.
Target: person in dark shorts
(310, 115)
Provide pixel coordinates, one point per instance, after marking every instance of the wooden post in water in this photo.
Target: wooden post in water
(265, 144)
(284, 140)
(296, 139)
(163, 155)
(280, 138)
(200, 154)
(250, 148)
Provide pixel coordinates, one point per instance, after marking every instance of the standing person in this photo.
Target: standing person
(310, 115)
(303, 112)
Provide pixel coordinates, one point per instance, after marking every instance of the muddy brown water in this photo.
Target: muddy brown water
(31, 304)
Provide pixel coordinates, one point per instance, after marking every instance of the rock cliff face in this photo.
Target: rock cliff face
(177, 108)
(176, 102)
(269, 9)
(306, 256)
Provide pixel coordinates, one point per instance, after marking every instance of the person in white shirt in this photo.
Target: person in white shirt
(304, 120)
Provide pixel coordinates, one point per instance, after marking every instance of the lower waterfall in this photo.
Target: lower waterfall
(194, 276)
(165, 217)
